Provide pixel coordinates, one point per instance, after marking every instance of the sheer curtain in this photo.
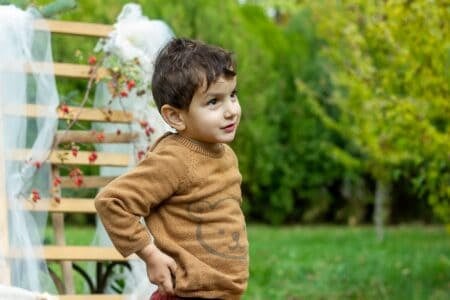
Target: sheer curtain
(135, 36)
(22, 46)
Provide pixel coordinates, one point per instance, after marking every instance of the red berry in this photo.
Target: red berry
(131, 84)
(149, 130)
(64, 108)
(100, 137)
(75, 172)
(93, 157)
(140, 154)
(75, 151)
(35, 196)
(92, 60)
(143, 123)
(78, 181)
(77, 176)
(56, 181)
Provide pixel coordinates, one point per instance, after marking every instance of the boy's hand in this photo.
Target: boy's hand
(160, 268)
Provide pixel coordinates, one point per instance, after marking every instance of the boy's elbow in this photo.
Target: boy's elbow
(100, 203)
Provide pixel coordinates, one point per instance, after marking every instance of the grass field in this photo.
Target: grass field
(343, 263)
(348, 263)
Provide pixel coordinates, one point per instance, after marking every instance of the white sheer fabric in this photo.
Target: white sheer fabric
(135, 36)
(15, 293)
(21, 46)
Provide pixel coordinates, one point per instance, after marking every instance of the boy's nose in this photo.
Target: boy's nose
(231, 108)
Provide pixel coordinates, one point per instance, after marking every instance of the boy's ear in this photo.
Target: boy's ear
(173, 117)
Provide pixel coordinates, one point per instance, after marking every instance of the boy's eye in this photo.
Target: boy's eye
(212, 102)
(234, 93)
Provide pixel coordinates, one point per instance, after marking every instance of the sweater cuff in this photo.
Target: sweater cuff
(135, 246)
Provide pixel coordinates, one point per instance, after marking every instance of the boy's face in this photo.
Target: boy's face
(214, 114)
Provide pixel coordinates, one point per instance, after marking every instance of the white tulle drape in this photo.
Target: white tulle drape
(20, 46)
(134, 37)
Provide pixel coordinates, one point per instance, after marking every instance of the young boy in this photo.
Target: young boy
(187, 188)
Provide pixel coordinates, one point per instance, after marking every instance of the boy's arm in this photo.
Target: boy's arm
(123, 202)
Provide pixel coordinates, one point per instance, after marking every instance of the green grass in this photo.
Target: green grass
(342, 263)
(348, 263)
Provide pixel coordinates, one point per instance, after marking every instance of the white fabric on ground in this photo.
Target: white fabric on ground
(15, 293)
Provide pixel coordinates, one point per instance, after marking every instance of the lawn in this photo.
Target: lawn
(342, 263)
(348, 263)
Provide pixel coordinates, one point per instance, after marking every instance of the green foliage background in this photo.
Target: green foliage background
(337, 96)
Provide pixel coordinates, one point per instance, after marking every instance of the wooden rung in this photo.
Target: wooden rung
(83, 136)
(103, 158)
(57, 69)
(67, 70)
(74, 28)
(88, 182)
(75, 253)
(77, 71)
(80, 113)
(66, 205)
(62, 157)
(93, 297)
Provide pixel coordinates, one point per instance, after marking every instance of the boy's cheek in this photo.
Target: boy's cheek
(239, 110)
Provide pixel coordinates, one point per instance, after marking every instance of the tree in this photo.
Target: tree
(390, 75)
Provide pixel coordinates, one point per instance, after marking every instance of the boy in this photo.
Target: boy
(187, 189)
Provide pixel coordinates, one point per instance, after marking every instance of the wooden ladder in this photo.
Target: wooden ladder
(64, 254)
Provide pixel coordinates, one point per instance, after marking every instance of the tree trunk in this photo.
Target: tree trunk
(381, 209)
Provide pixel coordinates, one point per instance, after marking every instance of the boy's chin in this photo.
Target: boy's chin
(226, 140)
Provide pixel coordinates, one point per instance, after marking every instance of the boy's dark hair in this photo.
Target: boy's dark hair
(182, 67)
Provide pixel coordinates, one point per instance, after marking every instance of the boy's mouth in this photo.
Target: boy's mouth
(229, 128)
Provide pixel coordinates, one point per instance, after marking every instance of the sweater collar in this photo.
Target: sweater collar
(212, 150)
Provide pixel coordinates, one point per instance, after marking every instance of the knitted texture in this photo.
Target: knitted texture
(190, 198)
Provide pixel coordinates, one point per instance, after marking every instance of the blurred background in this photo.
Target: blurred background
(346, 121)
(345, 103)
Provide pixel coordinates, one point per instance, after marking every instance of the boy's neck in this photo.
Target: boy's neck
(212, 149)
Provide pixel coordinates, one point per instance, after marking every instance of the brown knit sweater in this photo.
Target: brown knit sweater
(189, 195)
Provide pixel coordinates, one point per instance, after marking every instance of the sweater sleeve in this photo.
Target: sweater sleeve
(126, 199)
